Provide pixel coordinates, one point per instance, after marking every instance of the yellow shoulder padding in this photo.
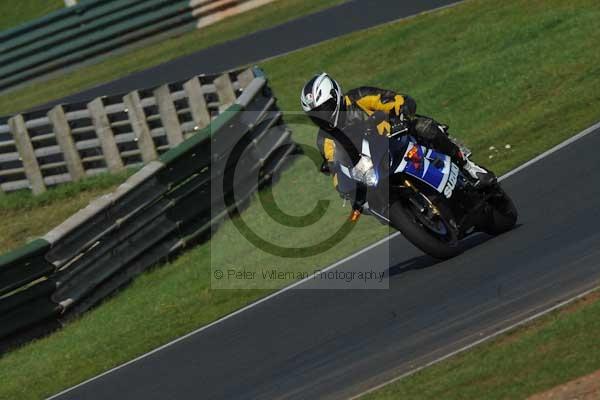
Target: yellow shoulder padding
(372, 103)
(398, 103)
(329, 149)
(369, 104)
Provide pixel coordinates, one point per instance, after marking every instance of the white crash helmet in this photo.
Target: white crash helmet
(321, 99)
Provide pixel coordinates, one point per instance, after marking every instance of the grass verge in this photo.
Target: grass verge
(528, 360)
(519, 73)
(148, 56)
(25, 217)
(14, 13)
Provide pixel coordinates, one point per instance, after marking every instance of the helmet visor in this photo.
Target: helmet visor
(325, 115)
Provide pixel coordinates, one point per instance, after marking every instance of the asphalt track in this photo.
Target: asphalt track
(332, 344)
(318, 343)
(305, 31)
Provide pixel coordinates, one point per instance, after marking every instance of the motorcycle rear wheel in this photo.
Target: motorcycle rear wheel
(503, 216)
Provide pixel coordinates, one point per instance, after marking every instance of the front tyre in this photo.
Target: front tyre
(429, 231)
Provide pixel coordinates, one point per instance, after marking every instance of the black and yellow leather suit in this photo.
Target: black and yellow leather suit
(359, 106)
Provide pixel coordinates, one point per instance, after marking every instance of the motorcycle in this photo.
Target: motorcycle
(427, 197)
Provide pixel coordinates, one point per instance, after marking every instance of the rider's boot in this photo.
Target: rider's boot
(482, 176)
(449, 145)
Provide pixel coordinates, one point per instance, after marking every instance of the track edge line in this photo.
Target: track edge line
(479, 341)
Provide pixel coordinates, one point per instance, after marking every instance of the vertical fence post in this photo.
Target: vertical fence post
(197, 103)
(62, 131)
(245, 77)
(105, 134)
(25, 149)
(168, 115)
(137, 117)
(225, 91)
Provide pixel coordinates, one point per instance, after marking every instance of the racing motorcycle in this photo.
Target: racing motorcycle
(427, 197)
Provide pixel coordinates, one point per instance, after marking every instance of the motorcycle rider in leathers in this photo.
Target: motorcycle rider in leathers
(343, 119)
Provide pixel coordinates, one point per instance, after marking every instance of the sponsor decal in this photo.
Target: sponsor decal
(452, 179)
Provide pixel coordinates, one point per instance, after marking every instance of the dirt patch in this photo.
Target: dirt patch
(584, 301)
(586, 388)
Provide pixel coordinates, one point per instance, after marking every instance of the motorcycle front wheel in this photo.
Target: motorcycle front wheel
(425, 226)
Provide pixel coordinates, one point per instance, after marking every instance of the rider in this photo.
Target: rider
(342, 119)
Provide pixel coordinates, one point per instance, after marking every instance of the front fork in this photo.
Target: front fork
(379, 203)
(428, 207)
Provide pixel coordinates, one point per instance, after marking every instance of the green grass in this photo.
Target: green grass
(553, 350)
(14, 13)
(135, 60)
(519, 73)
(26, 217)
(53, 207)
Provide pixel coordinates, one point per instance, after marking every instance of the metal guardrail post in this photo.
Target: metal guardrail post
(25, 149)
(140, 126)
(168, 115)
(105, 134)
(64, 137)
(197, 102)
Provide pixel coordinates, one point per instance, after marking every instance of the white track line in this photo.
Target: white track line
(273, 295)
(478, 342)
(522, 322)
(225, 318)
(553, 150)
(249, 306)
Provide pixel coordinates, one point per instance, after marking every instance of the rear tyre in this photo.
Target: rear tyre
(503, 216)
(435, 236)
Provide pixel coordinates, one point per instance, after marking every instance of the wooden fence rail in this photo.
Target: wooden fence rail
(69, 142)
(166, 207)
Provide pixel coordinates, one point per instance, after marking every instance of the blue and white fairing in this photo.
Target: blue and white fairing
(434, 168)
